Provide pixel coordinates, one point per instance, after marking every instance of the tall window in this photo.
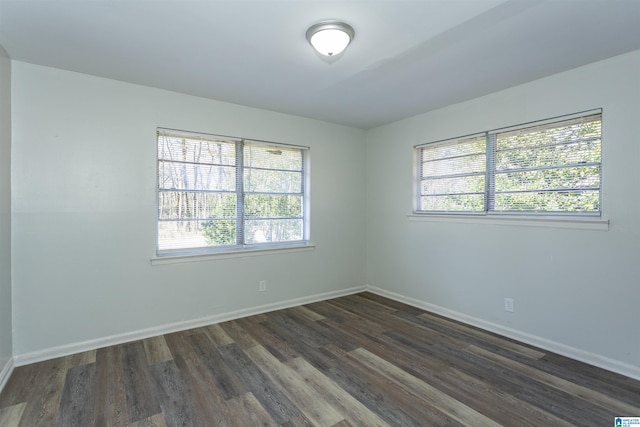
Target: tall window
(222, 194)
(545, 168)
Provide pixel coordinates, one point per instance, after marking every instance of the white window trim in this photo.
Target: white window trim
(238, 253)
(586, 223)
(235, 251)
(589, 221)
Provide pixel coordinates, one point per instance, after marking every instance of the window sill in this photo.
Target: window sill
(600, 224)
(240, 253)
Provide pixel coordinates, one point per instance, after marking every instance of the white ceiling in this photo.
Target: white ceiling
(408, 57)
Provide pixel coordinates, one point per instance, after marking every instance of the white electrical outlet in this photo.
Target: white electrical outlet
(262, 286)
(508, 304)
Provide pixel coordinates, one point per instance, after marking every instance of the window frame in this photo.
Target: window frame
(240, 247)
(535, 217)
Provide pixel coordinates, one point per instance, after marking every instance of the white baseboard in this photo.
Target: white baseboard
(5, 373)
(594, 359)
(543, 343)
(65, 350)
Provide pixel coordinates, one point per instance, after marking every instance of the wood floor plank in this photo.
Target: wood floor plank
(327, 310)
(207, 396)
(385, 398)
(25, 379)
(314, 333)
(264, 335)
(392, 322)
(452, 407)
(76, 406)
(456, 329)
(466, 389)
(313, 405)
(156, 420)
(614, 385)
(395, 305)
(479, 392)
(277, 404)
(156, 350)
(217, 335)
(238, 334)
(577, 390)
(83, 358)
(226, 379)
(386, 346)
(175, 396)
(18, 386)
(309, 314)
(110, 405)
(49, 378)
(389, 319)
(484, 396)
(301, 346)
(11, 415)
(550, 399)
(511, 382)
(248, 412)
(142, 401)
(353, 410)
(367, 304)
(340, 317)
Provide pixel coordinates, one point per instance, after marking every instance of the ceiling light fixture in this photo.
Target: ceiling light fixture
(330, 38)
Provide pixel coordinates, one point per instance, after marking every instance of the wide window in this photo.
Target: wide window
(218, 194)
(551, 167)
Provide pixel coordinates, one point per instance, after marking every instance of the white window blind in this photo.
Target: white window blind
(218, 194)
(550, 168)
(273, 193)
(452, 175)
(545, 168)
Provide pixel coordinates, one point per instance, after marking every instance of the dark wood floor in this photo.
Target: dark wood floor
(357, 360)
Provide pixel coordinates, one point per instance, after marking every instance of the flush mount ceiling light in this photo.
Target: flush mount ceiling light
(330, 38)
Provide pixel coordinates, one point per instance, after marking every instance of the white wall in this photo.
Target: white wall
(575, 288)
(83, 225)
(84, 173)
(5, 211)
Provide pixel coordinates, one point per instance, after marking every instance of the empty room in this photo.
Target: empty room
(327, 213)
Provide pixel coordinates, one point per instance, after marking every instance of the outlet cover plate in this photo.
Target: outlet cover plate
(508, 305)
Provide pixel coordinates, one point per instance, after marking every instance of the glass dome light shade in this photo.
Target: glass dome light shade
(330, 37)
